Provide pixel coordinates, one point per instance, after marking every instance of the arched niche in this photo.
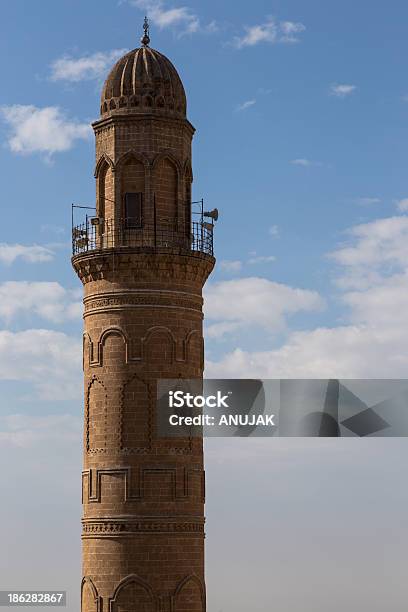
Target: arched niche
(136, 408)
(131, 172)
(105, 189)
(113, 349)
(90, 600)
(159, 346)
(95, 417)
(189, 595)
(133, 594)
(165, 187)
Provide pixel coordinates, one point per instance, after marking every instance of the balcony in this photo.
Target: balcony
(96, 234)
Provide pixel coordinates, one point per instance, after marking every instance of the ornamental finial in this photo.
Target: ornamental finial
(146, 38)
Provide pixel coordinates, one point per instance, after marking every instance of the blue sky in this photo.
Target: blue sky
(301, 111)
(300, 136)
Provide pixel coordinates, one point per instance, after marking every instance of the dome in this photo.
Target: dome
(143, 81)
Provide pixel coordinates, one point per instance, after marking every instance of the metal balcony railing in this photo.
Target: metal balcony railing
(95, 234)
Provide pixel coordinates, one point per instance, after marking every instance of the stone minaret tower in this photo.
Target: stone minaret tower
(143, 261)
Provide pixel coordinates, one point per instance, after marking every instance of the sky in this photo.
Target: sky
(301, 111)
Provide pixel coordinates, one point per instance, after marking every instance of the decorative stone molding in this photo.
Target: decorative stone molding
(176, 265)
(180, 482)
(109, 302)
(180, 347)
(134, 118)
(99, 528)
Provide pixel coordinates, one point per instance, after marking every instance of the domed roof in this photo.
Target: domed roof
(143, 81)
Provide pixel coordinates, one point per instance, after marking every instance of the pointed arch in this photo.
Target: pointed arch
(132, 172)
(104, 174)
(104, 159)
(132, 154)
(123, 591)
(166, 186)
(87, 583)
(195, 581)
(136, 415)
(168, 155)
(96, 406)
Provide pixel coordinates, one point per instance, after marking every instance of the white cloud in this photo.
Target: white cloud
(271, 31)
(343, 352)
(374, 274)
(219, 330)
(258, 259)
(290, 30)
(372, 342)
(383, 305)
(301, 161)
(246, 105)
(31, 254)
(304, 162)
(49, 360)
(274, 231)
(85, 68)
(255, 302)
(212, 27)
(375, 251)
(181, 17)
(402, 205)
(228, 265)
(48, 300)
(342, 90)
(26, 431)
(42, 130)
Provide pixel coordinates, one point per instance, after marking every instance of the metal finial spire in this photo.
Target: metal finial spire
(146, 38)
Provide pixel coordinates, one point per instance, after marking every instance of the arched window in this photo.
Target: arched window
(133, 190)
(133, 203)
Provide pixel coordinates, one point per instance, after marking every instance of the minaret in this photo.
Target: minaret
(143, 261)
